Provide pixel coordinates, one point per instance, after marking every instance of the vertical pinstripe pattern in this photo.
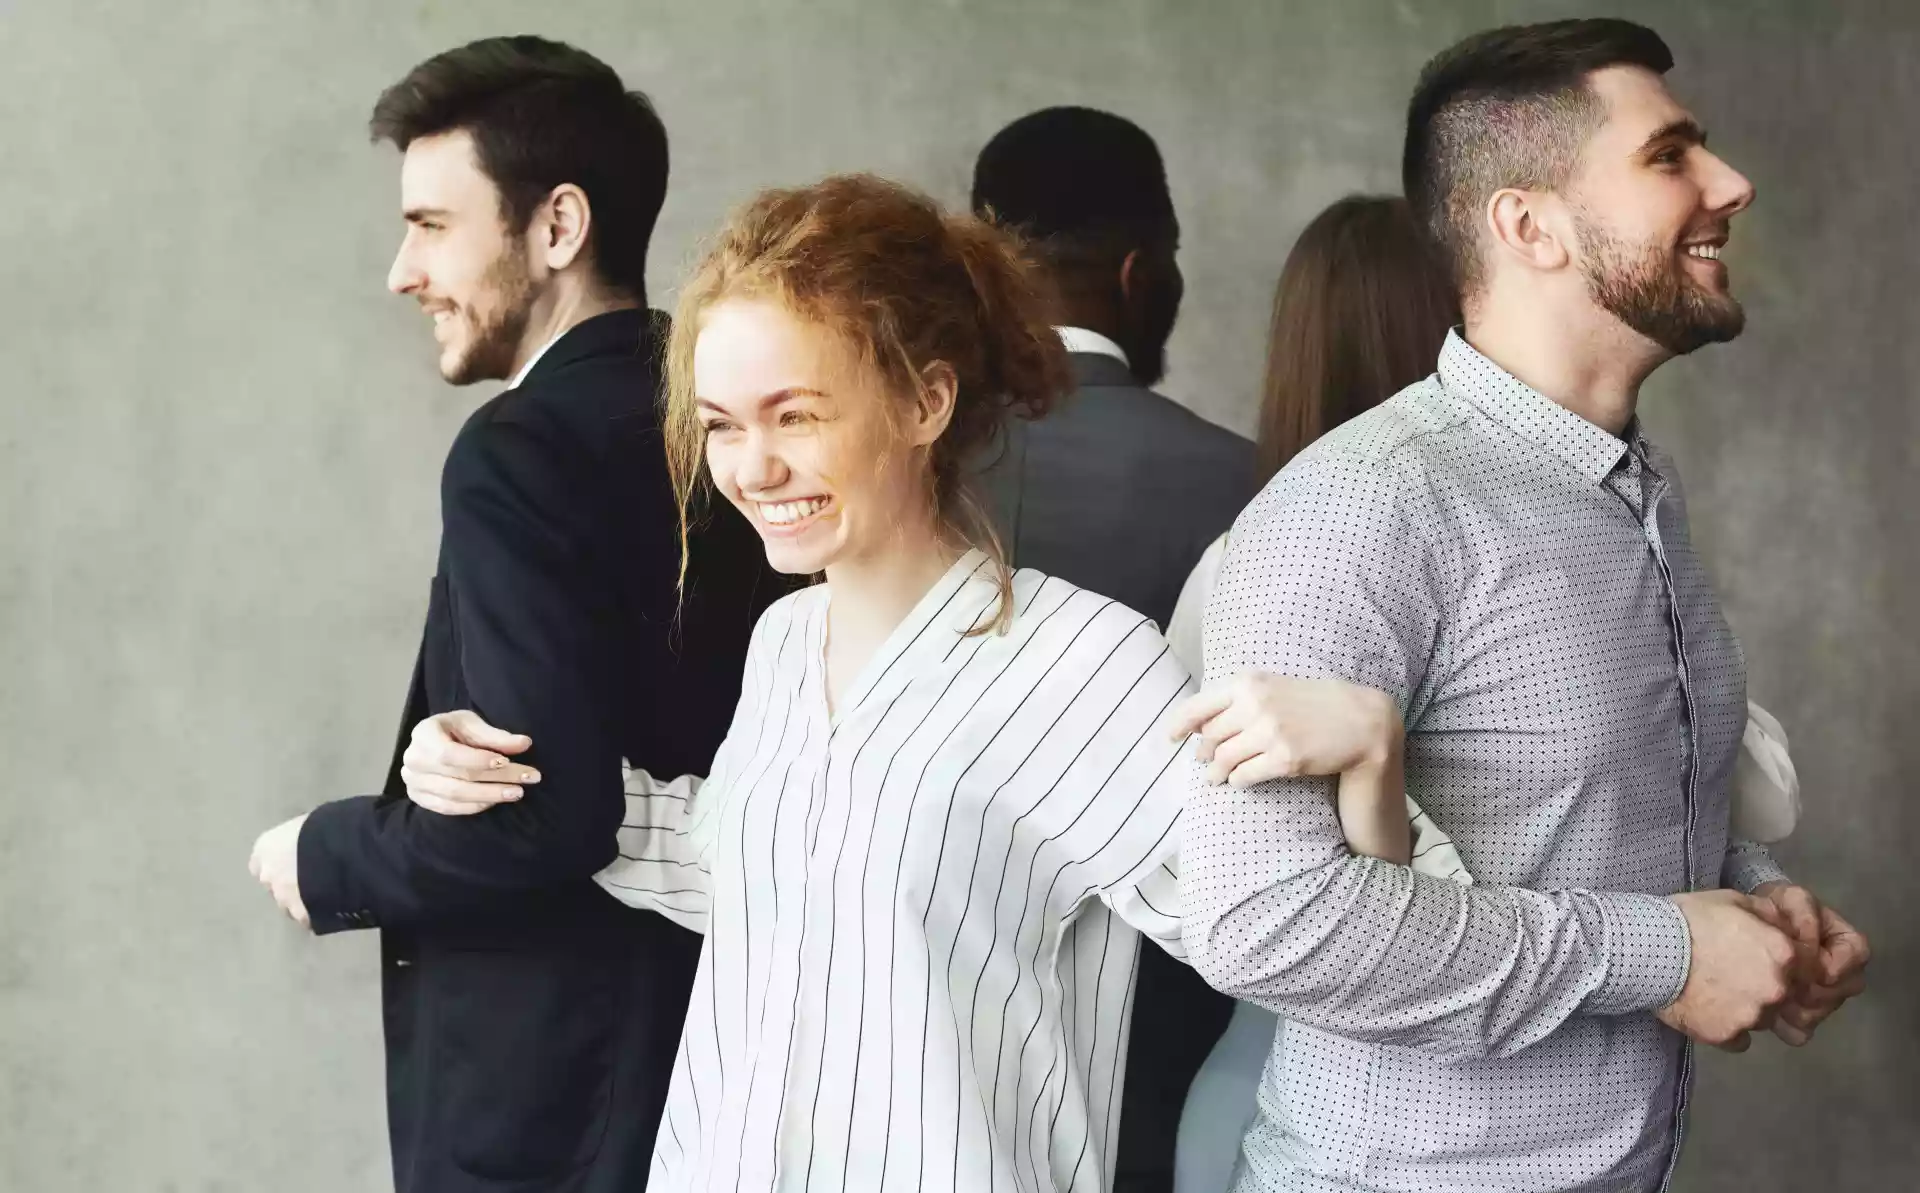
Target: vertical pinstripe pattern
(919, 962)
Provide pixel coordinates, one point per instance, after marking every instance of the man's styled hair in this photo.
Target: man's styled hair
(1085, 187)
(1510, 107)
(542, 114)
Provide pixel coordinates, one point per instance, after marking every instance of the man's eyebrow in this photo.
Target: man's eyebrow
(1686, 129)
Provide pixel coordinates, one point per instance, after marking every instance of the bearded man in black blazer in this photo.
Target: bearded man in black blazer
(531, 1019)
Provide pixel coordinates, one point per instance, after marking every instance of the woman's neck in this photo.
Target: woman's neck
(872, 594)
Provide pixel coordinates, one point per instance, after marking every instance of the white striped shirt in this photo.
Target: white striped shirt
(918, 969)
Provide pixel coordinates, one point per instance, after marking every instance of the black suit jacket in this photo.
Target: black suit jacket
(531, 1019)
(1120, 491)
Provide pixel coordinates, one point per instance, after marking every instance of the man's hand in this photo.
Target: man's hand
(276, 864)
(1257, 727)
(1742, 969)
(457, 764)
(1830, 963)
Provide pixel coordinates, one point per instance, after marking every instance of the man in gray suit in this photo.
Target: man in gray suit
(1120, 490)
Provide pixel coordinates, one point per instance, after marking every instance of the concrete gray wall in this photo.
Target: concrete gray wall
(219, 442)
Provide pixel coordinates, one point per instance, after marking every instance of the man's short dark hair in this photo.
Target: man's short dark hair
(541, 114)
(1085, 185)
(1510, 107)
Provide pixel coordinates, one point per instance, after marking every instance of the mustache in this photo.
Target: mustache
(1721, 230)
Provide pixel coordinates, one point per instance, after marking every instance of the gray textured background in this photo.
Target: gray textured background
(219, 443)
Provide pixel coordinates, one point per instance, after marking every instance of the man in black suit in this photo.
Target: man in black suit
(1120, 490)
(531, 1019)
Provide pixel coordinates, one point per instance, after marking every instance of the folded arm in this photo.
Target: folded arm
(1333, 580)
(537, 635)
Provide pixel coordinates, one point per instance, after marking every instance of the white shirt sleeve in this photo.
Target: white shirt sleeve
(1766, 788)
(1134, 870)
(660, 867)
(666, 836)
(1183, 631)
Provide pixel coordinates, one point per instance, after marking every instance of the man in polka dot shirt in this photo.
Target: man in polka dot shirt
(1503, 551)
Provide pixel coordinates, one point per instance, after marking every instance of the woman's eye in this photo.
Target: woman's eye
(794, 418)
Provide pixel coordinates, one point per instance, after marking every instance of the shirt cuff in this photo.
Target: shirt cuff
(1749, 865)
(1648, 954)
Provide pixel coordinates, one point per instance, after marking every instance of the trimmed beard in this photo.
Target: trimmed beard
(1644, 287)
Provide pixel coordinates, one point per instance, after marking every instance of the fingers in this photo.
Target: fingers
(481, 766)
(444, 756)
(1196, 710)
(1229, 755)
(1791, 1036)
(1762, 909)
(286, 895)
(1739, 1043)
(1811, 1005)
(1779, 941)
(1851, 986)
(1263, 767)
(1823, 1000)
(1805, 1016)
(1801, 912)
(1844, 951)
(253, 862)
(466, 726)
(444, 807)
(457, 791)
(1231, 721)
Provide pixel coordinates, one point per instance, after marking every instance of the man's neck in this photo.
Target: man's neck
(1094, 317)
(562, 310)
(1588, 361)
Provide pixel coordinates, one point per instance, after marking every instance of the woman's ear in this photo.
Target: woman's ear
(939, 389)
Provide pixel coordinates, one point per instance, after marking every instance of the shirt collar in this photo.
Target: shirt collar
(1517, 406)
(1079, 339)
(532, 361)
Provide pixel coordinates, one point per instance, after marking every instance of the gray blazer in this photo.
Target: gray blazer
(1119, 490)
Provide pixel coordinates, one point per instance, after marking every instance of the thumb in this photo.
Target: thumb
(469, 729)
(1196, 710)
(1763, 910)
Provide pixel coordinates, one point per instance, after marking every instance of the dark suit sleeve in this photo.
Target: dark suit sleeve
(534, 627)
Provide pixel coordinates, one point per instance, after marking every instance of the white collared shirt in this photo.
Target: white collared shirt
(532, 361)
(1079, 339)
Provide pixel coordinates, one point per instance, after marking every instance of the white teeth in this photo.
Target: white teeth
(782, 513)
(1709, 252)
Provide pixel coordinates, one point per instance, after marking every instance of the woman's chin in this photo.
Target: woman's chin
(798, 557)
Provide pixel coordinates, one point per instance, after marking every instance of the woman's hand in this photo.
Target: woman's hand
(1257, 727)
(457, 765)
